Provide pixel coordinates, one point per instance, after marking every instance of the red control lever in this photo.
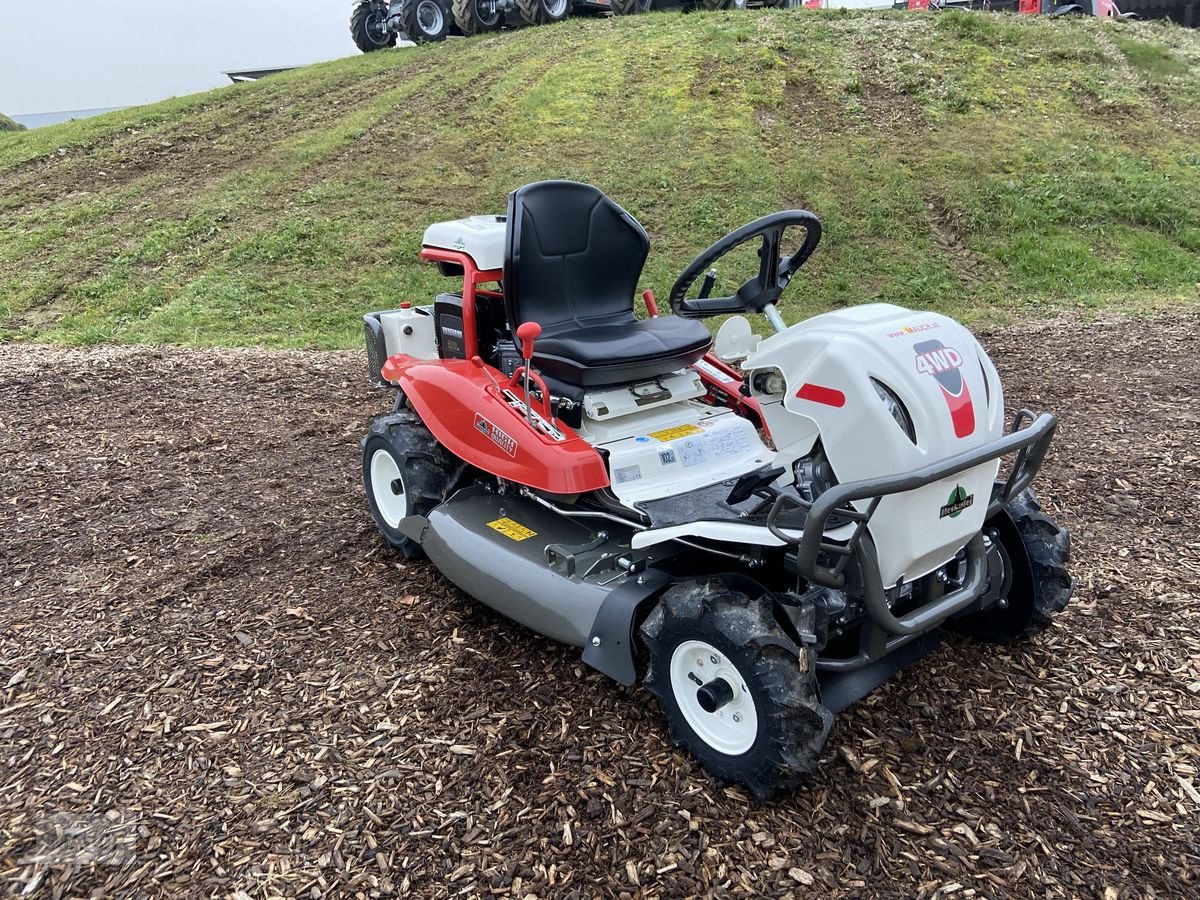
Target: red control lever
(527, 333)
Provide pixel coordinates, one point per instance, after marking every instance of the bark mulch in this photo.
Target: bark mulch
(214, 681)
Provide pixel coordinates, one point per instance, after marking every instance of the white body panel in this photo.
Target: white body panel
(410, 331)
(607, 404)
(916, 355)
(679, 449)
(480, 237)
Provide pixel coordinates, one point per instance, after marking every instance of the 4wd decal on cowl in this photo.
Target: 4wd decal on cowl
(945, 365)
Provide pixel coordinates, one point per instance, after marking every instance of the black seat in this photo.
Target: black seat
(572, 261)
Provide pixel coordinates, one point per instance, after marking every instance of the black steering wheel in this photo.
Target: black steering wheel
(774, 269)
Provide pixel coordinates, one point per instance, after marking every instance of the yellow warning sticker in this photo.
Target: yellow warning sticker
(510, 529)
(670, 434)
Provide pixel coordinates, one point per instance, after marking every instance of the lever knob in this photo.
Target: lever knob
(527, 333)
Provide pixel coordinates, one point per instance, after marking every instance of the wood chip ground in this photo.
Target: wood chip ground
(214, 681)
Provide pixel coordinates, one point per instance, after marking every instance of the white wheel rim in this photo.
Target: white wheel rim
(556, 8)
(384, 472)
(733, 728)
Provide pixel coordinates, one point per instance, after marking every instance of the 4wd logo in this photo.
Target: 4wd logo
(959, 500)
(496, 436)
(945, 365)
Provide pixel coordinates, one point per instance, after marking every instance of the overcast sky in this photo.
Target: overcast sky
(123, 52)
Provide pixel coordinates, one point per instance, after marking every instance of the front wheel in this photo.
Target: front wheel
(369, 27)
(1034, 551)
(737, 692)
(543, 12)
(405, 472)
(631, 7)
(477, 16)
(425, 21)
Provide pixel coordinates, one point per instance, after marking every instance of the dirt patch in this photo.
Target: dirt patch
(213, 678)
(970, 266)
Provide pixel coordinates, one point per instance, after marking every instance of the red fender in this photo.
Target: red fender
(458, 403)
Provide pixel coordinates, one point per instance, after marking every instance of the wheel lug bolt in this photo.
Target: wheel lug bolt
(737, 717)
(714, 660)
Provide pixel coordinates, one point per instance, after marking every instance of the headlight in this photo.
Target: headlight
(769, 382)
(895, 408)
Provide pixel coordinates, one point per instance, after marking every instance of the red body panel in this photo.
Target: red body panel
(458, 403)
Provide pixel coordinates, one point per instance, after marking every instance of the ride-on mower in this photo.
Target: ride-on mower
(770, 543)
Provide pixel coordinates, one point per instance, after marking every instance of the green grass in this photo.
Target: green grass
(7, 124)
(984, 165)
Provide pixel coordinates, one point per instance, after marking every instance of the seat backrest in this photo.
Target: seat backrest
(572, 257)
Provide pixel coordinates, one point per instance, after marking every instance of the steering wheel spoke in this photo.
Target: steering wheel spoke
(774, 270)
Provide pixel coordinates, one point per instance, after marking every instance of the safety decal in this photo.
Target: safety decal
(945, 365)
(958, 501)
(510, 529)
(501, 439)
(671, 434)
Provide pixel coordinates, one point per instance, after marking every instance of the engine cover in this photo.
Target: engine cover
(947, 386)
(480, 237)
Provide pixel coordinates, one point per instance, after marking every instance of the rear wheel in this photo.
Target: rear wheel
(631, 7)
(425, 21)
(712, 5)
(476, 16)
(542, 12)
(736, 690)
(406, 472)
(1036, 587)
(369, 28)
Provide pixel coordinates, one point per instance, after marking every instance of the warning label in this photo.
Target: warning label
(671, 434)
(510, 529)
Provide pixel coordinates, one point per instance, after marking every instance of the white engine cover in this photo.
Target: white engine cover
(480, 237)
(945, 381)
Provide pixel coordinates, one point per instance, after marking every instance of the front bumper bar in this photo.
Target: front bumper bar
(1029, 438)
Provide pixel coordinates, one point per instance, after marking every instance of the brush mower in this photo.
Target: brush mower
(767, 543)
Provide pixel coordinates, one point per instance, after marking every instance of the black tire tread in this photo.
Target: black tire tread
(625, 7)
(358, 30)
(799, 725)
(429, 467)
(1047, 546)
(533, 12)
(463, 13)
(408, 15)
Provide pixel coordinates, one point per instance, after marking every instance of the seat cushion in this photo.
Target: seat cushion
(614, 353)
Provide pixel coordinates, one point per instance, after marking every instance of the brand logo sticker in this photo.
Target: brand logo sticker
(502, 440)
(914, 329)
(959, 500)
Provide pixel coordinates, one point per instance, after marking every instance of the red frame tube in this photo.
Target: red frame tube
(472, 276)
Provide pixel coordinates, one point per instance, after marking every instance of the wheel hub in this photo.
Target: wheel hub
(387, 487)
(429, 16)
(713, 697)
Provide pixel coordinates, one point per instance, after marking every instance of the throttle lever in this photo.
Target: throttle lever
(706, 286)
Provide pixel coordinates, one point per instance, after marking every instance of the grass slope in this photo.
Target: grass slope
(7, 124)
(975, 163)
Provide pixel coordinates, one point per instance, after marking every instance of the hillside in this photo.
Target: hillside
(7, 124)
(978, 163)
